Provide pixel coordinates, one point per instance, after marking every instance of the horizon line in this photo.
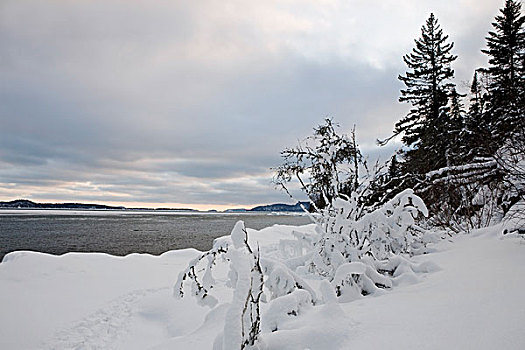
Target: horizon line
(156, 206)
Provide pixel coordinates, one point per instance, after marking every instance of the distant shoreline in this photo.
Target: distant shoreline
(24, 204)
(116, 212)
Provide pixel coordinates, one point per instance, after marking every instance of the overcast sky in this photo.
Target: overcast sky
(188, 103)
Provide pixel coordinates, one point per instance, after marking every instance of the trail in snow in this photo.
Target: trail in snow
(102, 328)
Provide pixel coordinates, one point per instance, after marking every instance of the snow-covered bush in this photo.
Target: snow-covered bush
(253, 279)
(391, 229)
(285, 307)
(245, 277)
(352, 280)
(352, 252)
(349, 243)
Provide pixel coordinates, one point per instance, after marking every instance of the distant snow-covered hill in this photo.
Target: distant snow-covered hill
(27, 204)
(283, 207)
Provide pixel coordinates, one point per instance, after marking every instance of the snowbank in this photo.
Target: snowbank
(97, 301)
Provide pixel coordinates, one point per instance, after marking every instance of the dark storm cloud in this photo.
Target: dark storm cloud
(191, 102)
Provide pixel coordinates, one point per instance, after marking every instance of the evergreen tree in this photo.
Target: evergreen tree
(476, 96)
(394, 178)
(506, 51)
(428, 89)
(452, 123)
(477, 134)
(393, 168)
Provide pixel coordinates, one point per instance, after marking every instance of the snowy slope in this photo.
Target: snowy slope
(475, 301)
(96, 301)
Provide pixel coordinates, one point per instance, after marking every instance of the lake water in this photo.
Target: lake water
(122, 232)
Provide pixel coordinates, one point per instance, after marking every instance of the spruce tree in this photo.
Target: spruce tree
(428, 89)
(476, 96)
(453, 126)
(506, 51)
(477, 134)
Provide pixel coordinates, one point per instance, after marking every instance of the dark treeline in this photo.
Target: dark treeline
(453, 156)
(463, 152)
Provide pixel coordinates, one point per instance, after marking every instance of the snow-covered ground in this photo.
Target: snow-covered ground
(473, 300)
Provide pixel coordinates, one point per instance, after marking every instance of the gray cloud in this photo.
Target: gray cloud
(191, 102)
